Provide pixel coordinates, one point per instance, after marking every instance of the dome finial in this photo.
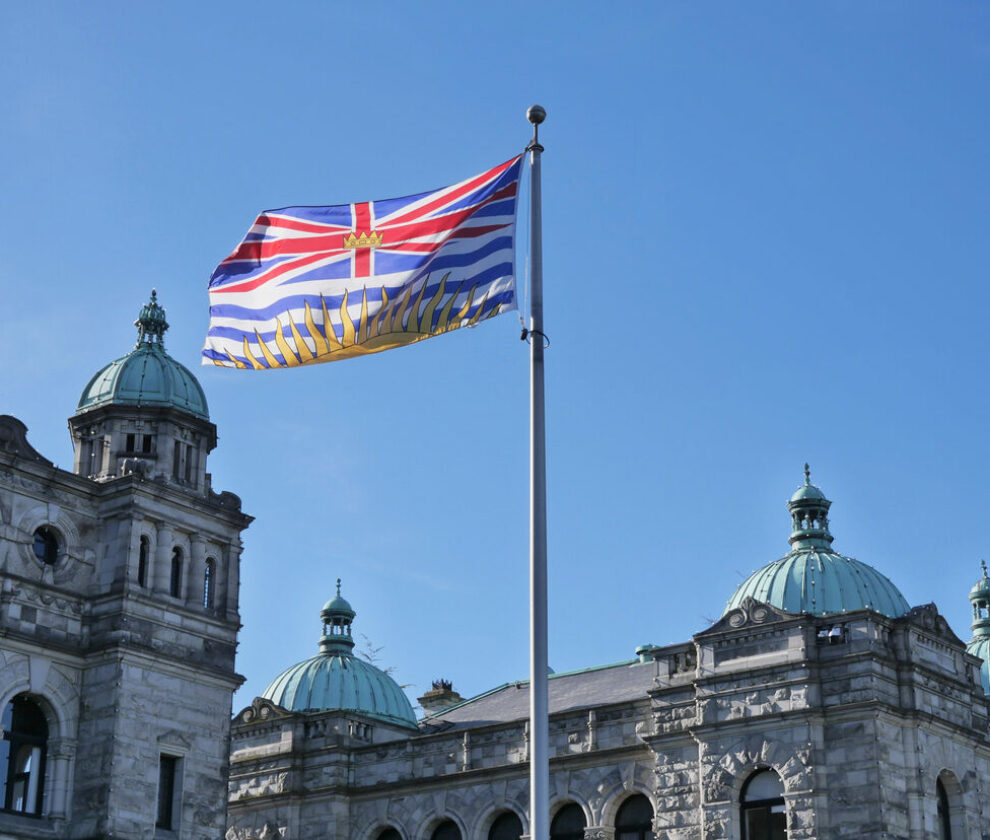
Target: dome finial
(809, 516)
(807, 474)
(338, 585)
(337, 616)
(983, 563)
(151, 323)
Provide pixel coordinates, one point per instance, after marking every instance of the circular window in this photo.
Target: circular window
(46, 545)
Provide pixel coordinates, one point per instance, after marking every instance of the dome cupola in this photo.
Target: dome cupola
(144, 413)
(336, 680)
(979, 597)
(811, 577)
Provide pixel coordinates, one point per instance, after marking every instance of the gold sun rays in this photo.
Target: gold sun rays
(398, 322)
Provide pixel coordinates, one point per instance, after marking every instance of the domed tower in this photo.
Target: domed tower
(336, 680)
(979, 597)
(144, 413)
(811, 578)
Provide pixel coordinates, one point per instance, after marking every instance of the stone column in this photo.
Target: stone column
(59, 761)
(231, 565)
(162, 569)
(197, 570)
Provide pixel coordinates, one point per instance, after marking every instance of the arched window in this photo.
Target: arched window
(568, 823)
(763, 813)
(635, 819)
(143, 550)
(944, 823)
(46, 545)
(389, 834)
(209, 582)
(175, 579)
(447, 830)
(22, 755)
(951, 812)
(507, 826)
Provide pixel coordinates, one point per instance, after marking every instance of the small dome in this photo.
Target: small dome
(336, 680)
(811, 578)
(981, 589)
(338, 606)
(147, 376)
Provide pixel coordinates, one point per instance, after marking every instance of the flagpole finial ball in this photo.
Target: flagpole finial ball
(536, 114)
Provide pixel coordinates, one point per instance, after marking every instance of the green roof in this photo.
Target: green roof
(147, 376)
(811, 577)
(336, 680)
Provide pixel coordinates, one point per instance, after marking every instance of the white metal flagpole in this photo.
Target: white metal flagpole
(539, 715)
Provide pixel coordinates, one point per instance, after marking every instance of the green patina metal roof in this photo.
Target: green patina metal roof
(336, 680)
(811, 578)
(980, 646)
(147, 376)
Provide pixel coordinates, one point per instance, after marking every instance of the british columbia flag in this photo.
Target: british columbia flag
(316, 284)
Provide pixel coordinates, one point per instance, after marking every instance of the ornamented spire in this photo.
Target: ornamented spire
(809, 516)
(337, 616)
(151, 323)
(979, 597)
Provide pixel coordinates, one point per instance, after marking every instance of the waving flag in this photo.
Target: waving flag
(317, 284)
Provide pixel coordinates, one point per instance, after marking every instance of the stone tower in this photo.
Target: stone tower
(118, 612)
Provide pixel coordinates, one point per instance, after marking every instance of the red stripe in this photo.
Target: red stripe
(271, 274)
(452, 194)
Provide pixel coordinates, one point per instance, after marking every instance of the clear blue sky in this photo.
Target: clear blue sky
(766, 242)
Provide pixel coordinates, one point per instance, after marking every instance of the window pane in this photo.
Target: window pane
(568, 824)
(507, 827)
(763, 785)
(166, 790)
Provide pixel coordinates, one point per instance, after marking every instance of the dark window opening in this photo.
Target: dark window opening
(635, 819)
(143, 550)
(176, 458)
(175, 579)
(764, 816)
(22, 756)
(46, 545)
(129, 443)
(147, 442)
(447, 830)
(389, 834)
(568, 823)
(944, 822)
(507, 826)
(168, 766)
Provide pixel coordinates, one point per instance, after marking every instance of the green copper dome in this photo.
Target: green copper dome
(147, 376)
(811, 578)
(335, 679)
(979, 597)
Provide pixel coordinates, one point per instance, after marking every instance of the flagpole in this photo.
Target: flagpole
(539, 715)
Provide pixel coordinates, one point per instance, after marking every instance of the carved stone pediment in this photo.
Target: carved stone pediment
(748, 614)
(13, 438)
(175, 738)
(261, 710)
(928, 617)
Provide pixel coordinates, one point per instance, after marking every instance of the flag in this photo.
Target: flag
(317, 284)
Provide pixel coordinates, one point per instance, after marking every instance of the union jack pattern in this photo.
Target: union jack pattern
(316, 284)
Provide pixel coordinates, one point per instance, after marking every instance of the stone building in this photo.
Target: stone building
(118, 612)
(821, 705)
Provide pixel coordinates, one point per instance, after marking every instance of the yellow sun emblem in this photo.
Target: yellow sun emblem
(398, 322)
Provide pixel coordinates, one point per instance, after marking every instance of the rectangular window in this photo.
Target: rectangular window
(168, 771)
(176, 459)
(129, 443)
(147, 441)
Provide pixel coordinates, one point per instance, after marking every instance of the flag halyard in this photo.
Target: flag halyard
(317, 284)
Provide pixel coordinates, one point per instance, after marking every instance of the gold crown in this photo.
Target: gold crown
(365, 240)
